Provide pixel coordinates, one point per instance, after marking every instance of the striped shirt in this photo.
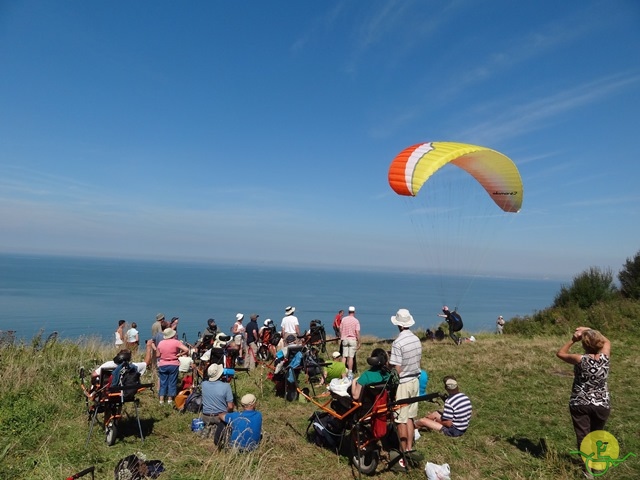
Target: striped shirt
(350, 327)
(457, 408)
(406, 351)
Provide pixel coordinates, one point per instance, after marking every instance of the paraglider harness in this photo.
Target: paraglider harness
(455, 321)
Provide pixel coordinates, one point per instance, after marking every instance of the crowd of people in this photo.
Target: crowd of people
(589, 403)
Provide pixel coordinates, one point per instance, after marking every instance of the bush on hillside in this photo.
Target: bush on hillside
(629, 278)
(549, 321)
(588, 288)
(615, 316)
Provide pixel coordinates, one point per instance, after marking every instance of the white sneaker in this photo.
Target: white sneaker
(416, 435)
(169, 402)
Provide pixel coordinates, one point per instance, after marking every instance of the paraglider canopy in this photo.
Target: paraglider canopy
(497, 174)
(450, 191)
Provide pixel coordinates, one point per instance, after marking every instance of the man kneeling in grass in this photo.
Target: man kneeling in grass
(455, 417)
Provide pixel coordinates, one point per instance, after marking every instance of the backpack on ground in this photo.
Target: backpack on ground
(181, 398)
(193, 404)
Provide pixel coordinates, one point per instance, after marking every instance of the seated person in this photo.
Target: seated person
(208, 337)
(455, 417)
(269, 336)
(217, 401)
(123, 355)
(377, 373)
(335, 369)
(217, 349)
(245, 426)
(185, 376)
(290, 346)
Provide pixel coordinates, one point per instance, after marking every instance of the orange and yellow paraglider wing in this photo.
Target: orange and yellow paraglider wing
(414, 165)
(498, 175)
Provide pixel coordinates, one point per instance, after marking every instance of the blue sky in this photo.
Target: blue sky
(262, 131)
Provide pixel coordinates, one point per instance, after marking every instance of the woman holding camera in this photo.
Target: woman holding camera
(589, 403)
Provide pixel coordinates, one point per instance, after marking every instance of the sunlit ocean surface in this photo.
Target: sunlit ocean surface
(86, 297)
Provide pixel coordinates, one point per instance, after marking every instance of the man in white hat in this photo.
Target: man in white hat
(406, 353)
(456, 414)
(239, 331)
(290, 324)
(350, 339)
(246, 426)
(500, 325)
(217, 401)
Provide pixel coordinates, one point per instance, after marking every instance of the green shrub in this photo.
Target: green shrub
(588, 288)
(629, 278)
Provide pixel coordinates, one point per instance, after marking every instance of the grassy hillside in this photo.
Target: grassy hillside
(520, 429)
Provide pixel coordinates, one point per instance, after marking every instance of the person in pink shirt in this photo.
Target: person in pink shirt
(168, 351)
(350, 338)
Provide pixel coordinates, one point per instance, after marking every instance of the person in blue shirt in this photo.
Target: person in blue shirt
(246, 426)
(217, 402)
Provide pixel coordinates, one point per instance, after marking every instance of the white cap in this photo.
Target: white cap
(352, 308)
(239, 316)
(451, 384)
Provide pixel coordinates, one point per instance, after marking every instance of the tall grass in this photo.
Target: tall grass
(520, 428)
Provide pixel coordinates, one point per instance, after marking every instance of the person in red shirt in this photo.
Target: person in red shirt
(337, 321)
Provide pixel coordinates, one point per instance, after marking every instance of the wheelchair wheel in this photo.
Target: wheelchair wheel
(111, 433)
(365, 461)
(263, 353)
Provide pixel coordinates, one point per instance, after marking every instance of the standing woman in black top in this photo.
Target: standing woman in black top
(589, 403)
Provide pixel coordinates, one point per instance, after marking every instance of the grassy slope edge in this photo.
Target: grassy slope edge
(520, 428)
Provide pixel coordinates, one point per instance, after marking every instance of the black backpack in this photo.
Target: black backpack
(193, 404)
(456, 321)
(129, 381)
(275, 338)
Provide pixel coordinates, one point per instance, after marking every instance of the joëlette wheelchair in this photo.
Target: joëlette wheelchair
(367, 424)
(107, 400)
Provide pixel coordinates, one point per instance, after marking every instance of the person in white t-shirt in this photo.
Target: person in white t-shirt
(290, 325)
(132, 338)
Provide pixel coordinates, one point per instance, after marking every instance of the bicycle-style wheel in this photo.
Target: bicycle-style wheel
(111, 433)
(364, 458)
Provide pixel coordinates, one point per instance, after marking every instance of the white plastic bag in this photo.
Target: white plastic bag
(437, 472)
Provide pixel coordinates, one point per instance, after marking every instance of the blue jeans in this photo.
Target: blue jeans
(168, 380)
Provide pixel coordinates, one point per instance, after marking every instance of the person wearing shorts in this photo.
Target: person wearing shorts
(350, 339)
(406, 354)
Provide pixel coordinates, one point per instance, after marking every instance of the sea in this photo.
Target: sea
(81, 297)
